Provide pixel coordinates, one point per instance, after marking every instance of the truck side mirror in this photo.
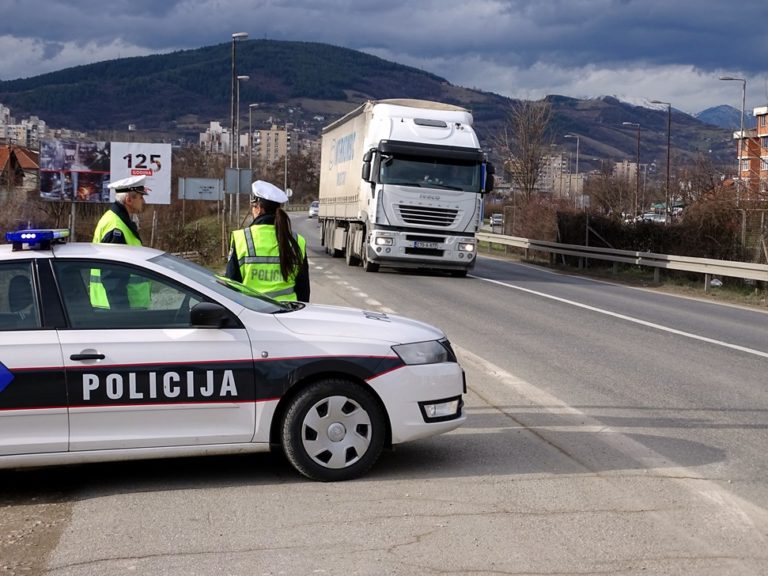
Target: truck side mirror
(489, 180)
(366, 175)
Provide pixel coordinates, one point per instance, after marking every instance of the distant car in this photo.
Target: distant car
(497, 220)
(314, 208)
(653, 217)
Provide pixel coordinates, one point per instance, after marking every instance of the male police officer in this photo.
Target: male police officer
(117, 226)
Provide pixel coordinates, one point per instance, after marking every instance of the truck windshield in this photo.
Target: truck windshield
(430, 173)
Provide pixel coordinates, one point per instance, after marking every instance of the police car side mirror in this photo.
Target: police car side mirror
(210, 315)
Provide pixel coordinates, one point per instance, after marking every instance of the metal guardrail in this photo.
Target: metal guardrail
(706, 266)
(192, 255)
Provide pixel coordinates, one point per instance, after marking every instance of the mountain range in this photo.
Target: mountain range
(177, 95)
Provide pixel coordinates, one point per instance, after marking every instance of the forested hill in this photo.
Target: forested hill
(176, 95)
(161, 91)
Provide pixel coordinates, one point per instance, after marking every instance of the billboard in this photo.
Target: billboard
(74, 170)
(79, 171)
(142, 159)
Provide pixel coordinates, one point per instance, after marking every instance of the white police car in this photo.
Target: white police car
(202, 365)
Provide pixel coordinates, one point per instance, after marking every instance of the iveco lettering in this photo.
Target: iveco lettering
(203, 366)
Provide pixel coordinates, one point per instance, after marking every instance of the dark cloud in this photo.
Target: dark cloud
(650, 48)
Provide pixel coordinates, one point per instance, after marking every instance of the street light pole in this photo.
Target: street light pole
(235, 37)
(668, 196)
(287, 143)
(237, 142)
(577, 161)
(741, 132)
(232, 128)
(250, 135)
(637, 166)
(237, 119)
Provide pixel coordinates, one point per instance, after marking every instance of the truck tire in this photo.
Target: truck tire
(349, 255)
(369, 266)
(328, 239)
(333, 430)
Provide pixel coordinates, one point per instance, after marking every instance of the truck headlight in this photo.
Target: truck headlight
(466, 247)
(429, 352)
(384, 241)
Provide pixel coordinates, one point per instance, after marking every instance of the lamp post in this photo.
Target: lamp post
(287, 145)
(577, 159)
(668, 196)
(232, 128)
(235, 37)
(250, 135)
(237, 143)
(741, 131)
(637, 166)
(237, 119)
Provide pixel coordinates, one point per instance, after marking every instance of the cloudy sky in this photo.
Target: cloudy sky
(670, 50)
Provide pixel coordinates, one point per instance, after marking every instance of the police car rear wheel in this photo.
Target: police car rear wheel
(333, 430)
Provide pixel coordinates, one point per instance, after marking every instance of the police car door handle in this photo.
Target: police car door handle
(89, 356)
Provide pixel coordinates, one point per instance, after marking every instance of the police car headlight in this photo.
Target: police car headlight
(430, 352)
(466, 247)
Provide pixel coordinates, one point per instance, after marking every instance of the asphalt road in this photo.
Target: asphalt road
(611, 430)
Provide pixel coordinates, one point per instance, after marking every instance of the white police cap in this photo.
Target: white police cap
(267, 191)
(130, 184)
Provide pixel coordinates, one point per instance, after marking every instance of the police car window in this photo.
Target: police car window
(18, 302)
(228, 288)
(108, 295)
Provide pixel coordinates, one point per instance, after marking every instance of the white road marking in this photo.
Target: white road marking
(743, 515)
(630, 318)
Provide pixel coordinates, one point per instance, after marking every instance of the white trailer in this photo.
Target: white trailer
(401, 184)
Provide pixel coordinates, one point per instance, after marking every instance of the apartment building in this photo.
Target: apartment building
(271, 145)
(759, 150)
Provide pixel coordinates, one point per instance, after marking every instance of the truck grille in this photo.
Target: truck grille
(425, 216)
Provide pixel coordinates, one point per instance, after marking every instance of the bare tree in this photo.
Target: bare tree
(700, 179)
(524, 144)
(609, 194)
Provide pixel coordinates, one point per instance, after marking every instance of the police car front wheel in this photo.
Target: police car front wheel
(333, 430)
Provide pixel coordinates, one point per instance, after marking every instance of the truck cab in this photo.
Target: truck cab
(419, 191)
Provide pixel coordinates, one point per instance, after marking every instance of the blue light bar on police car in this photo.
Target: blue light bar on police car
(40, 239)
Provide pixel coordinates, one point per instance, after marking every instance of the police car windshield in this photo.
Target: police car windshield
(228, 288)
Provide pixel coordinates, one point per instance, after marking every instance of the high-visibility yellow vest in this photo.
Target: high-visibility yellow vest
(258, 256)
(138, 292)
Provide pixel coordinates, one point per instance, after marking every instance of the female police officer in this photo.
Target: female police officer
(267, 256)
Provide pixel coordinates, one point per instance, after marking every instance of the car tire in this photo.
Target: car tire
(333, 430)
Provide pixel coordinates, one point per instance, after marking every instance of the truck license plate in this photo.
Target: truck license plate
(421, 244)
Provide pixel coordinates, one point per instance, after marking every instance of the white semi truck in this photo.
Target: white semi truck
(401, 185)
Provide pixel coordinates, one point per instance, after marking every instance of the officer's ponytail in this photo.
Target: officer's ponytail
(291, 257)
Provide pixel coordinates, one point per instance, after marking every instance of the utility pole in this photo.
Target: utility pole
(637, 166)
(668, 210)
